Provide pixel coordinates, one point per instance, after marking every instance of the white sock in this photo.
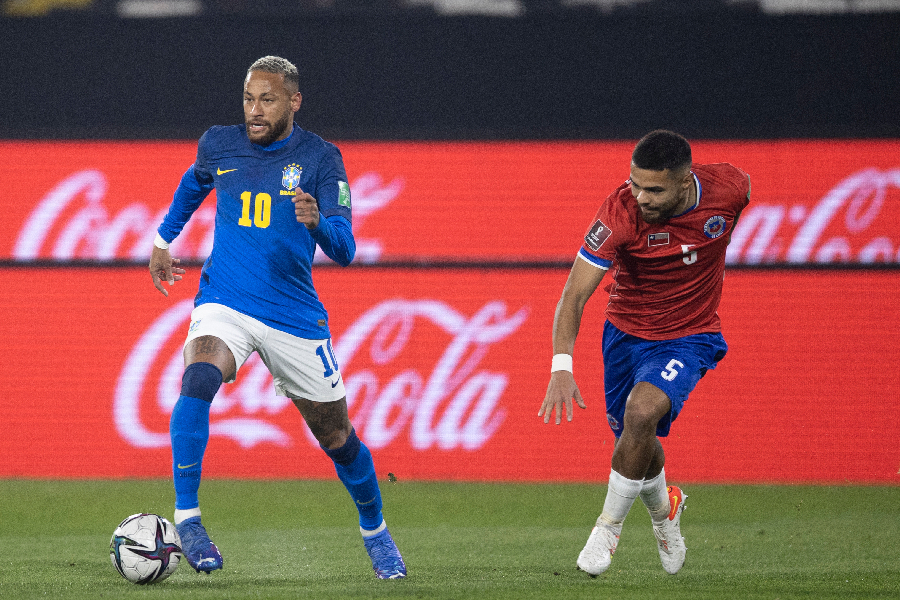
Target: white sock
(181, 515)
(619, 497)
(371, 532)
(656, 497)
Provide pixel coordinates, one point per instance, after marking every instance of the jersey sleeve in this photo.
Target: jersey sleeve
(189, 195)
(334, 235)
(332, 188)
(202, 171)
(739, 181)
(746, 188)
(604, 235)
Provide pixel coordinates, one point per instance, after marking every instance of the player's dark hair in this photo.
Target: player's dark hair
(660, 150)
(278, 66)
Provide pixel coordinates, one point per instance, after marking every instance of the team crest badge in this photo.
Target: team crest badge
(714, 227)
(291, 177)
(613, 423)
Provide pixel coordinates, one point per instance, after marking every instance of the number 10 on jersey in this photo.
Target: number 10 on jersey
(262, 214)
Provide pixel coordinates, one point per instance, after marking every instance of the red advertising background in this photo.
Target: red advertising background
(813, 201)
(449, 368)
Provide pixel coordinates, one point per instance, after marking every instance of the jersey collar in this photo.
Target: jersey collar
(279, 144)
(699, 193)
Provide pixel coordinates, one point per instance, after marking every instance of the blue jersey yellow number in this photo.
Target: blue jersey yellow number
(262, 214)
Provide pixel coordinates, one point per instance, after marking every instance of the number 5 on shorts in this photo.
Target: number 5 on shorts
(670, 373)
(329, 369)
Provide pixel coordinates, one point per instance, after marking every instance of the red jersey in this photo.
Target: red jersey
(668, 276)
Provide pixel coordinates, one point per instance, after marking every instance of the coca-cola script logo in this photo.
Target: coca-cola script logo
(383, 356)
(72, 222)
(869, 203)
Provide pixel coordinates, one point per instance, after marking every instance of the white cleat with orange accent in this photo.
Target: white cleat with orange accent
(668, 533)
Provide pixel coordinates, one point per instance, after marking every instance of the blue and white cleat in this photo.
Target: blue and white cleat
(386, 559)
(196, 546)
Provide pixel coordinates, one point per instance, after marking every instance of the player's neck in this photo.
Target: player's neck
(691, 199)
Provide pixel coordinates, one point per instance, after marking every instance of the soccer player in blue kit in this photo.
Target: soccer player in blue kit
(281, 191)
(663, 234)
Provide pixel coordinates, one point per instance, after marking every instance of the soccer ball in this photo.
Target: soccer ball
(145, 548)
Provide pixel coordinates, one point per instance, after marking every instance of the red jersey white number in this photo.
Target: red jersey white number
(668, 277)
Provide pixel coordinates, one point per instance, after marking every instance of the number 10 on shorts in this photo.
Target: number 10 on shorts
(326, 352)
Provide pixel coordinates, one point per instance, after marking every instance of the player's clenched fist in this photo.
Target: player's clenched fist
(307, 209)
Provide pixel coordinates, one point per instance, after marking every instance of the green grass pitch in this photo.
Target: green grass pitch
(298, 539)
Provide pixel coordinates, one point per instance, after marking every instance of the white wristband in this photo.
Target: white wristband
(561, 362)
(160, 243)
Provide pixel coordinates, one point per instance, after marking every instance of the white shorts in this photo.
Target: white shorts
(300, 368)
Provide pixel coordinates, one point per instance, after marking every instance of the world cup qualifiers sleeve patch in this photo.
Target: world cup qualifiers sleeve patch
(344, 196)
(597, 235)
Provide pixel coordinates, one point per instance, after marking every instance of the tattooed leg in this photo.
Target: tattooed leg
(352, 460)
(328, 421)
(210, 349)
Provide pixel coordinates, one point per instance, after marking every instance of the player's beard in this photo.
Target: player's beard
(662, 214)
(657, 217)
(274, 132)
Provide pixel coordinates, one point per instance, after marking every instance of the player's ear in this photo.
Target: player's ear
(296, 100)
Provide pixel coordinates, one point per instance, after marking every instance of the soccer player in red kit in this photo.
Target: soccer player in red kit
(663, 233)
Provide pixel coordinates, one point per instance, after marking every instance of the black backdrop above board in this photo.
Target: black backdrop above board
(421, 76)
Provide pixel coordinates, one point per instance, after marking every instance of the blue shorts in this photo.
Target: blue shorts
(674, 366)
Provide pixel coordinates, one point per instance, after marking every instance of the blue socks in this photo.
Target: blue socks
(189, 430)
(354, 466)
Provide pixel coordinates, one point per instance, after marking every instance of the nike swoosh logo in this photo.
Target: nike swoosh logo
(180, 466)
(221, 172)
(675, 501)
(334, 385)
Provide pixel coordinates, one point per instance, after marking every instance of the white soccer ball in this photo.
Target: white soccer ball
(145, 548)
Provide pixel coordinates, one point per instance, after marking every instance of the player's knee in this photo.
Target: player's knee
(642, 413)
(640, 420)
(201, 380)
(333, 437)
(344, 452)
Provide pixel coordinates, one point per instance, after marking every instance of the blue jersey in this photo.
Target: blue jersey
(261, 261)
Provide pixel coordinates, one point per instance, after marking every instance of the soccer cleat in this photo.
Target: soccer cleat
(596, 555)
(386, 559)
(196, 546)
(668, 533)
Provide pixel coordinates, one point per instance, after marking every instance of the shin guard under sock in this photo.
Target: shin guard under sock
(189, 430)
(620, 495)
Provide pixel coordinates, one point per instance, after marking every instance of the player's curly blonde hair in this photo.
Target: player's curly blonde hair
(278, 66)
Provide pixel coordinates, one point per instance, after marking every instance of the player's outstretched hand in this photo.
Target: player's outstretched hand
(164, 268)
(307, 209)
(559, 396)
